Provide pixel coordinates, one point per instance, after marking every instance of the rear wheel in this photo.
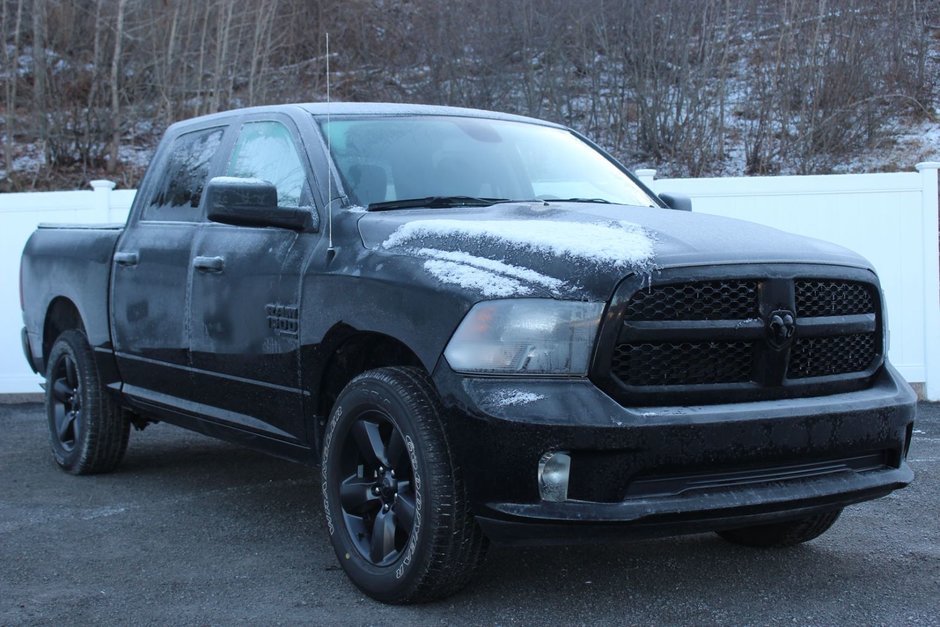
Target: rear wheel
(394, 503)
(788, 533)
(87, 431)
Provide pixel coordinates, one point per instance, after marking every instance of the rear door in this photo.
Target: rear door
(151, 270)
(245, 293)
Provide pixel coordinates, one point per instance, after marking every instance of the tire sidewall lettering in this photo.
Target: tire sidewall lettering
(408, 558)
(416, 532)
(324, 465)
(401, 399)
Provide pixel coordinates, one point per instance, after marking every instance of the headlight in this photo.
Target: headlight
(525, 336)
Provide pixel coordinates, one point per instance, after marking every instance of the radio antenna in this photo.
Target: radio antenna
(329, 149)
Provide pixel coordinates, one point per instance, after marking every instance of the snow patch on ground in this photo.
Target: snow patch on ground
(905, 144)
(30, 159)
(507, 398)
(136, 156)
(102, 512)
(617, 243)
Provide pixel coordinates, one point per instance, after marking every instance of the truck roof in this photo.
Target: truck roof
(369, 109)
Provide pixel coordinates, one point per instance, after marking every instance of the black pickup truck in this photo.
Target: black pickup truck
(480, 327)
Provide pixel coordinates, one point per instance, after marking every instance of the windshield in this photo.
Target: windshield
(388, 160)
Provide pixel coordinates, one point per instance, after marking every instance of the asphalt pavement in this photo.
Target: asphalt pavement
(192, 531)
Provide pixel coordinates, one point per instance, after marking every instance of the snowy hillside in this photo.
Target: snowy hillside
(689, 87)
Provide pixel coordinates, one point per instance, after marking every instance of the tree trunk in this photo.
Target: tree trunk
(39, 76)
(115, 88)
(11, 61)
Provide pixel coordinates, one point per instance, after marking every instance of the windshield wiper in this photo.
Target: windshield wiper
(602, 201)
(436, 202)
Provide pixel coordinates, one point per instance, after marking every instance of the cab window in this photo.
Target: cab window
(183, 177)
(266, 151)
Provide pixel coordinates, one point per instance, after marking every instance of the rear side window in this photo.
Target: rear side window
(265, 150)
(183, 177)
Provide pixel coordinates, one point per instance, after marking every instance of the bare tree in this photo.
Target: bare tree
(115, 87)
(11, 55)
(793, 85)
(39, 73)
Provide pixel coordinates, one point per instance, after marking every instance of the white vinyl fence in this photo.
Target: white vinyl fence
(19, 215)
(889, 218)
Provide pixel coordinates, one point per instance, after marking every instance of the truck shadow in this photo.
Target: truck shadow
(674, 579)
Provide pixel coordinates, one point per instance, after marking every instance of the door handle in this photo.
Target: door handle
(126, 259)
(209, 264)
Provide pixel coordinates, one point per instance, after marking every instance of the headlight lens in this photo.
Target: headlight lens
(525, 336)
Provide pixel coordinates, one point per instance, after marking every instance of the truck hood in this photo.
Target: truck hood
(578, 250)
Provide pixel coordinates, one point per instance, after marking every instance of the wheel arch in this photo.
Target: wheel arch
(346, 353)
(61, 315)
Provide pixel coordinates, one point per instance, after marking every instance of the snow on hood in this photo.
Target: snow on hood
(449, 246)
(579, 250)
(617, 243)
(488, 276)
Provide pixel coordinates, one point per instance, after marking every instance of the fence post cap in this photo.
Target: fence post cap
(102, 184)
(928, 165)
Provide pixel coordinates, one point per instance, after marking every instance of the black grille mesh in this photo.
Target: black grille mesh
(687, 363)
(663, 352)
(822, 356)
(703, 300)
(833, 298)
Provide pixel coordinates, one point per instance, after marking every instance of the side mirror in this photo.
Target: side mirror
(252, 202)
(679, 202)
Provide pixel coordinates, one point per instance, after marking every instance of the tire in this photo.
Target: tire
(394, 503)
(87, 430)
(782, 534)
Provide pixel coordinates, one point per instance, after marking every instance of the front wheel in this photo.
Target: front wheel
(87, 431)
(394, 503)
(782, 534)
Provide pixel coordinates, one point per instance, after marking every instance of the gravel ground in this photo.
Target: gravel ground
(194, 531)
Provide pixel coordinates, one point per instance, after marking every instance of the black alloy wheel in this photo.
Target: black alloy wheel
(377, 491)
(394, 503)
(66, 402)
(87, 430)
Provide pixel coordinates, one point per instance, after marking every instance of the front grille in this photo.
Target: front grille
(826, 356)
(684, 364)
(706, 335)
(815, 297)
(704, 300)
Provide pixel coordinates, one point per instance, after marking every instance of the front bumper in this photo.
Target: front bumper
(666, 470)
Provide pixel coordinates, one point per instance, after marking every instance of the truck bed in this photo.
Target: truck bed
(69, 264)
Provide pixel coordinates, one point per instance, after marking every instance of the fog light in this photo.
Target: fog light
(554, 468)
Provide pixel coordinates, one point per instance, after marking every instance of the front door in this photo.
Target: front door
(245, 340)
